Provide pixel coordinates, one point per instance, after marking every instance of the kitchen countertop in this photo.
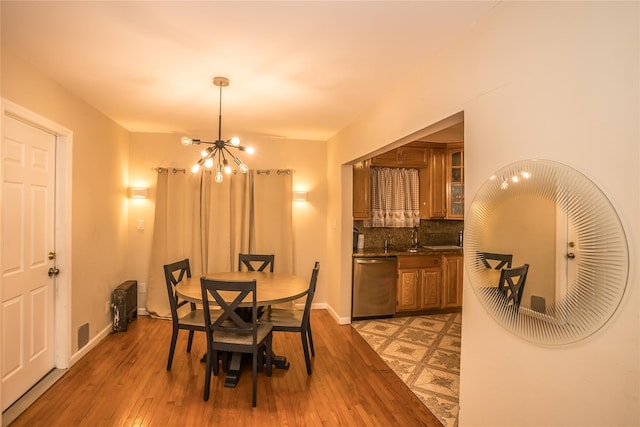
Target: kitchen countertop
(424, 250)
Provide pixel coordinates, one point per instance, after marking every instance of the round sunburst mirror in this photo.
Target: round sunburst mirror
(558, 222)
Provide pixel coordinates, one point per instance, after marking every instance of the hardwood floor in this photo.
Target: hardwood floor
(124, 382)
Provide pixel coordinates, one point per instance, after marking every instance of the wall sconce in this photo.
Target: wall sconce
(138, 192)
(300, 196)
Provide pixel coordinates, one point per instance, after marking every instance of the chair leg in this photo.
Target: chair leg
(305, 348)
(207, 376)
(190, 341)
(269, 351)
(313, 351)
(216, 369)
(172, 347)
(254, 373)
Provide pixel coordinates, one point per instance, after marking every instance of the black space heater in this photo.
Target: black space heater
(124, 303)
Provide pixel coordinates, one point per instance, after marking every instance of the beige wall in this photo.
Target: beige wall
(306, 158)
(100, 165)
(535, 80)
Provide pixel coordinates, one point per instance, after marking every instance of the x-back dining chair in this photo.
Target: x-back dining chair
(512, 281)
(292, 320)
(256, 262)
(494, 260)
(229, 332)
(191, 321)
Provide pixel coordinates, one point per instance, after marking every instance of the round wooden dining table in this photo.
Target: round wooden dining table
(271, 288)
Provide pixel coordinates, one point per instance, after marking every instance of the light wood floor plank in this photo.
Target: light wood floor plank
(124, 382)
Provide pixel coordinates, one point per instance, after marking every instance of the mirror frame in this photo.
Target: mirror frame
(602, 269)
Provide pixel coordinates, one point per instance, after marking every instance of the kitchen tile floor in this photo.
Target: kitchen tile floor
(424, 351)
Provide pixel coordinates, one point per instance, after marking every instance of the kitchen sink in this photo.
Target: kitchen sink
(443, 248)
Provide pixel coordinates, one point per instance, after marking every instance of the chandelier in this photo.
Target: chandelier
(217, 152)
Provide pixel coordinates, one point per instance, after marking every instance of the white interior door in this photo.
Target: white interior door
(28, 202)
(567, 255)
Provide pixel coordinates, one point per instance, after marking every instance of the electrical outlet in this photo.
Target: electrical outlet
(107, 307)
(142, 287)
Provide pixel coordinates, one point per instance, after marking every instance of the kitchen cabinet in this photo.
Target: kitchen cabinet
(361, 191)
(428, 282)
(442, 184)
(419, 283)
(452, 273)
(403, 157)
(455, 183)
(433, 185)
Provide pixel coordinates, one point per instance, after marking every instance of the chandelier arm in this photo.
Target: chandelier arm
(228, 152)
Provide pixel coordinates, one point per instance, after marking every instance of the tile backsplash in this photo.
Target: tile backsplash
(430, 232)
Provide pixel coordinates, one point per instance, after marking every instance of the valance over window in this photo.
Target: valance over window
(395, 197)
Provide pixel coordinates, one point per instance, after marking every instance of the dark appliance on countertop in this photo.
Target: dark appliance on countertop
(356, 234)
(374, 287)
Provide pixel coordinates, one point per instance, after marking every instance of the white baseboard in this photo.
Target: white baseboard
(340, 320)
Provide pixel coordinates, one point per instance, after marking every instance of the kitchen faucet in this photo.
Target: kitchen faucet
(414, 237)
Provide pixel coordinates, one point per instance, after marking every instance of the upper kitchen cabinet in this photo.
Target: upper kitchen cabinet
(361, 191)
(455, 182)
(403, 157)
(433, 185)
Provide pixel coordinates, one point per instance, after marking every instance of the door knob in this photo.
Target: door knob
(52, 255)
(571, 255)
(53, 271)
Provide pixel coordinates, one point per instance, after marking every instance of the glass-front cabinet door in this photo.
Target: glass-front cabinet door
(455, 183)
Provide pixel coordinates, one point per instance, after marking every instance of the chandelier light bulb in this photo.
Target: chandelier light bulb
(243, 168)
(249, 150)
(219, 177)
(227, 168)
(186, 141)
(204, 153)
(235, 141)
(195, 168)
(208, 163)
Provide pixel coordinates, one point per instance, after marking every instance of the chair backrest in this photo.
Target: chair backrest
(311, 293)
(173, 274)
(512, 281)
(256, 262)
(228, 295)
(502, 260)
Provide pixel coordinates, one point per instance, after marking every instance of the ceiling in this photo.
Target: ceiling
(297, 70)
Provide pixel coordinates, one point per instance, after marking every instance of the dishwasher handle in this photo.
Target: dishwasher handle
(373, 261)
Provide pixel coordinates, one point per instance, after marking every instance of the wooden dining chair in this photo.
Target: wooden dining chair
(495, 261)
(292, 320)
(193, 320)
(256, 262)
(229, 332)
(512, 281)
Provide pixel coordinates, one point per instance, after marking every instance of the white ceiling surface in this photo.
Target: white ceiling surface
(298, 70)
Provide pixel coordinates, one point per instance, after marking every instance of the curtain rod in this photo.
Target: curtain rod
(278, 171)
(167, 170)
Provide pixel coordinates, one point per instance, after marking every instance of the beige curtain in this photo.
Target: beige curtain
(175, 234)
(211, 223)
(225, 221)
(272, 229)
(395, 197)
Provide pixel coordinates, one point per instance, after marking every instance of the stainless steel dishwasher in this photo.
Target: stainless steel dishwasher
(374, 287)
